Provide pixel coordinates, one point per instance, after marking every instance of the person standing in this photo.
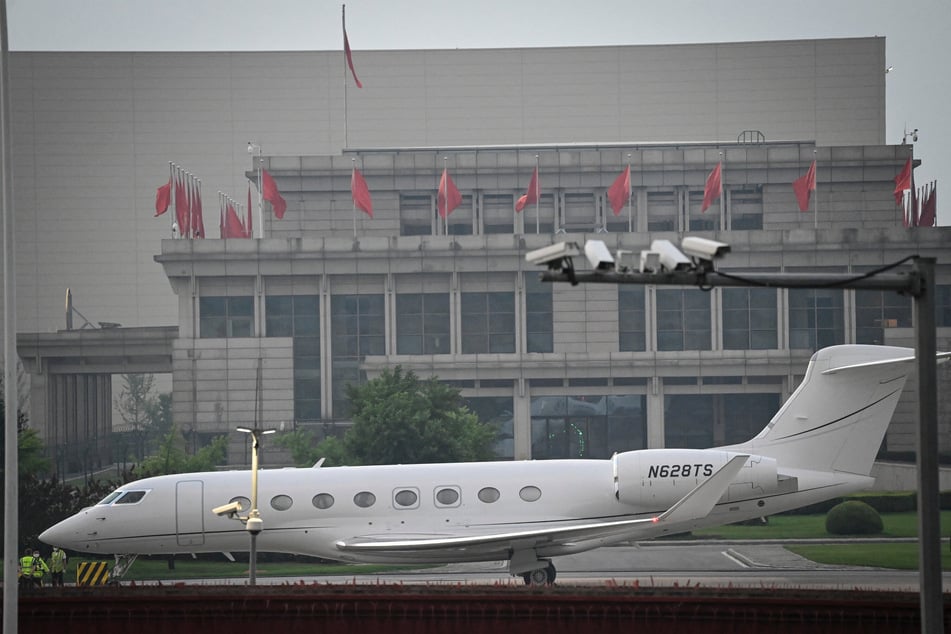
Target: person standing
(58, 563)
(39, 569)
(25, 569)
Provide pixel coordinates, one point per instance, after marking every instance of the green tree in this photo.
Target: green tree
(172, 458)
(399, 418)
(136, 405)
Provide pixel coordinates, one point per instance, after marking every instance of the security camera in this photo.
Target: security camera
(553, 255)
(650, 262)
(598, 255)
(254, 525)
(227, 510)
(671, 258)
(250, 147)
(704, 249)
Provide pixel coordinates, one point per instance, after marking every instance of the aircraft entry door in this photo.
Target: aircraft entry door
(189, 513)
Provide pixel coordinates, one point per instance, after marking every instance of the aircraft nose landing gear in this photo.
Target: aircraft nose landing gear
(541, 576)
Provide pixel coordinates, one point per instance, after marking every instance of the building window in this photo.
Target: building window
(416, 214)
(816, 318)
(661, 211)
(746, 207)
(297, 316)
(422, 323)
(749, 319)
(459, 222)
(683, 319)
(743, 416)
(221, 317)
(488, 322)
(496, 411)
(539, 326)
(498, 213)
(587, 426)
(708, 220)
(357, 330)
(579, 213)
(688, 421)
(540, 217)
(877, 310)
(632, 335)
(943, 305)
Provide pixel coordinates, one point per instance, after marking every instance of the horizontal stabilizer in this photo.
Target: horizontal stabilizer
(699, 502)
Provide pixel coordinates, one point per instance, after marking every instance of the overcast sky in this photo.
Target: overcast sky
(918, 45)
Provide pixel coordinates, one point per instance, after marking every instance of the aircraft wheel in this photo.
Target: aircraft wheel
(536, 577)
(551, 573)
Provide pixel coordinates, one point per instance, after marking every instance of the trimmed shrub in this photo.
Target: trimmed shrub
(853, 517)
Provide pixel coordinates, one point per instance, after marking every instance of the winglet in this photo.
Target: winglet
(701, 500)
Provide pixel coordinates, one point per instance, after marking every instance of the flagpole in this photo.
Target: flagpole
(537, 222)
(722, 198)
(346, 123)
(630, 203)
(353, 210)
(445, 195)
(171, 220)
(815, 215)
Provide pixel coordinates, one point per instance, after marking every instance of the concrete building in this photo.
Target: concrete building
(327, 297)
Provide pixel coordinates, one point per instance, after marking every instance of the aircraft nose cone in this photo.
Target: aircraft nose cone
(63, 534)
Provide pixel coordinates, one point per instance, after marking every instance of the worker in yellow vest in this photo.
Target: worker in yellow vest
(57, 566)
(25, 569)
(39, 569)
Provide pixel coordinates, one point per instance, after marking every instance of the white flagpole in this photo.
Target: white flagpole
(445, 195)
(630, 196)
(537, 212)
(722, 198)
(171, 196)
(260, 194)
(353, 210)
(815, 216)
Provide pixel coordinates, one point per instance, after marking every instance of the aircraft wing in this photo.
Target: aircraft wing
(696, 504)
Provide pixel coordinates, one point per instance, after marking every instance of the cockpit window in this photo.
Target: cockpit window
(131, 497)
(112, 496)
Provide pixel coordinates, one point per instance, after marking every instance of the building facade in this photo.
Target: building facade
(272, 329)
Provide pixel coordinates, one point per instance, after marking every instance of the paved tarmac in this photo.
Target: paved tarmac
(657, 563)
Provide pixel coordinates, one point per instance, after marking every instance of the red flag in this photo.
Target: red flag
(272, 194)
(620, 191)
(803, 185)
(360, 192)
(232, 225)
(903, 181)
(248, 230)
(182, 211)
(197, 222)
(711, 191)
(448, 197)
(163, 197)
(929, 207)
(531, 195)
(346, 51)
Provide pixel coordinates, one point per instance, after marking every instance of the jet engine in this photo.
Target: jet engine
(657, 478)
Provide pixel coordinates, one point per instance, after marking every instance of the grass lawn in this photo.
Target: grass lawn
(813, 527)
(899, 556)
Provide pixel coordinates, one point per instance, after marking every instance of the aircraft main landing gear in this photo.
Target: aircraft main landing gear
(541, 576)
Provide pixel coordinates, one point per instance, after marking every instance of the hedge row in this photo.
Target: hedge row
(899, 502)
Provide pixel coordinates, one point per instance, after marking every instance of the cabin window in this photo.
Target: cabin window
(281, 502)
(243, 501)
(447, 496)
(405, 498)
(530, 493)
(323, 500)
(489, 495)
(364, 499)
(131, 497)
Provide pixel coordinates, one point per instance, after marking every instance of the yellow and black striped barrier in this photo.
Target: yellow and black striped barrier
(92, 573)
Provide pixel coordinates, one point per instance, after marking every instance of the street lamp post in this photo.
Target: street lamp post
(254, 524)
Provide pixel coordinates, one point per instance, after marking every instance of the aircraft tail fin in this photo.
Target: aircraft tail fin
(837, 417)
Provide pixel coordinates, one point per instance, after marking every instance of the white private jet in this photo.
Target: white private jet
(819, 445)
